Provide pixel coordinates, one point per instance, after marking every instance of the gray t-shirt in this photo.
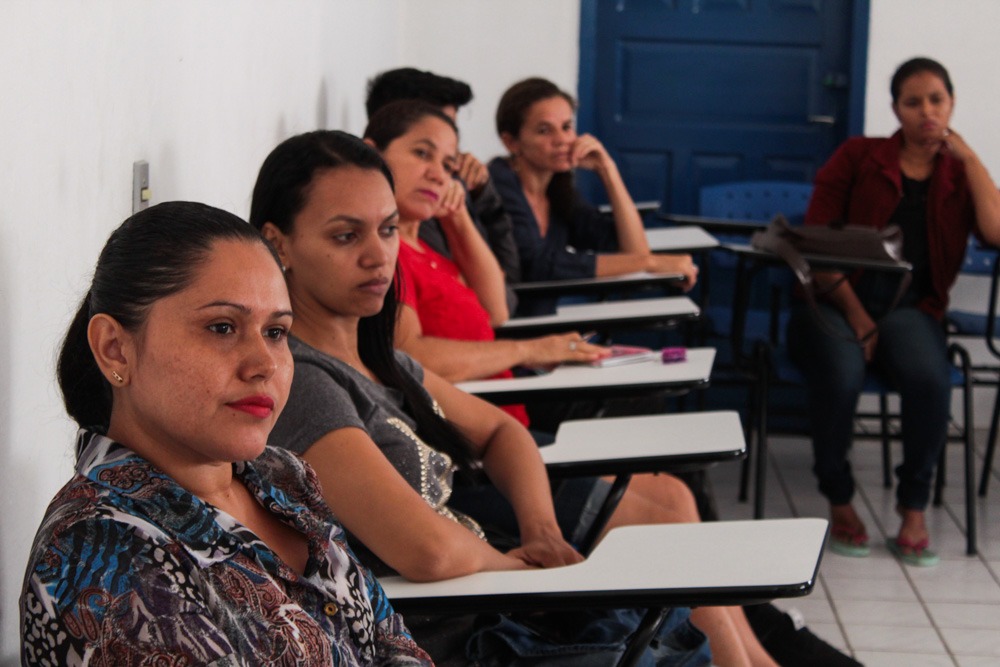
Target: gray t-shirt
(327, 395)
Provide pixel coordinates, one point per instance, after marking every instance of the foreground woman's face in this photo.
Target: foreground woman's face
(212, 368)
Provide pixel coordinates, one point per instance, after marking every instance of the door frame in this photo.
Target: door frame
(586, 94)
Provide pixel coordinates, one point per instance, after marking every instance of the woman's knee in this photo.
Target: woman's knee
(669, 498)
(833, 367)
(926, 375)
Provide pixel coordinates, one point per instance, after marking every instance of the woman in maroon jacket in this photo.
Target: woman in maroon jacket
(927, 180)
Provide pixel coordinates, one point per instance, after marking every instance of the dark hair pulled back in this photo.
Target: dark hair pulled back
(288, 171)
(918, 66)
(407, 83)
(512, 111)
(396, 118)
(279, 195)
(153, 254)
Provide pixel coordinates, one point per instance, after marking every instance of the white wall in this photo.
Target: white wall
(491, 46)
(202, 91)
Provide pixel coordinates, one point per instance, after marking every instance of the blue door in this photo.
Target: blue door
(687, 93)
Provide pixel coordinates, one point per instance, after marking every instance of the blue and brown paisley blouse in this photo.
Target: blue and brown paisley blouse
(130, 568)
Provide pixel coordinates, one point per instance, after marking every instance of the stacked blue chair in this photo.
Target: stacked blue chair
(751, 201)
(756, 203)
(754, 200)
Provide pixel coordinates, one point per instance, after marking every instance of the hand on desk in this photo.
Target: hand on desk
(547, 551)
(675, 264)
(558, 348)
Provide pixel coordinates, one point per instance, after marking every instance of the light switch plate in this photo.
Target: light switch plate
(141, 194)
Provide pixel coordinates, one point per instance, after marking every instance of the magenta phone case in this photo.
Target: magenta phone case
(672, 354)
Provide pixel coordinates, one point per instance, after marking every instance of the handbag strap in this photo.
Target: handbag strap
(773, 239)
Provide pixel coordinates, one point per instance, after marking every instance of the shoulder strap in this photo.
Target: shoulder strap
(775, 239)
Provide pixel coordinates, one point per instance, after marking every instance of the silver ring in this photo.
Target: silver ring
(572, 346)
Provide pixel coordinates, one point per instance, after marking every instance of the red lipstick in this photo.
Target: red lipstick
(259, 406)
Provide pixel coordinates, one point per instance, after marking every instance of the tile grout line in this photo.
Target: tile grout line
(909, 580)
(831, 600)
(979, 552)
(878, 505)
(951, 510)
(780, 478)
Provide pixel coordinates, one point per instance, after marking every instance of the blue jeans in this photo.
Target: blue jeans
(584, 638)
(911, 357)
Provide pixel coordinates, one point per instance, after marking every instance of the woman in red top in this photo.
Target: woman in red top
(450, 306)
(927, 180)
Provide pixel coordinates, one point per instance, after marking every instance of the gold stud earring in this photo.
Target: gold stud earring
(118, 378)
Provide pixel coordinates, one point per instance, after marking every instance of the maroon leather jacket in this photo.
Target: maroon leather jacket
(862, 184)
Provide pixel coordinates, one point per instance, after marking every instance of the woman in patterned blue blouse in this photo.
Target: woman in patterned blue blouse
(182, 539)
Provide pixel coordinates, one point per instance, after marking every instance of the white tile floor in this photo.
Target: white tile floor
(879, 611)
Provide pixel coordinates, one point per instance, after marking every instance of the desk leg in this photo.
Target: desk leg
(705, 285)
(643, 635)
(763, 369)
(604, 514)
(741, 301)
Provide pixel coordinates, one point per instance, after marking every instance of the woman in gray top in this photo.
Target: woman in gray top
(367, 418)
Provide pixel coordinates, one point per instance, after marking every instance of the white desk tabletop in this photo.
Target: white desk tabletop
(696, 434)
(716, 225)
(598, 285)
(673, 564)
(680, 239)
(648, 205)
(569, 378)
(608, 311)
(832, 261)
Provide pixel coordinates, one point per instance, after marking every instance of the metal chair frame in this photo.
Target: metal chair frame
(983, 261)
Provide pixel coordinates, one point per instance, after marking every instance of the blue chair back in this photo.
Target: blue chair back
(755, 200)
(978, 261)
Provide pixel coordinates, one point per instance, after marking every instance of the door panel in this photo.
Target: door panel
(692, 92)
